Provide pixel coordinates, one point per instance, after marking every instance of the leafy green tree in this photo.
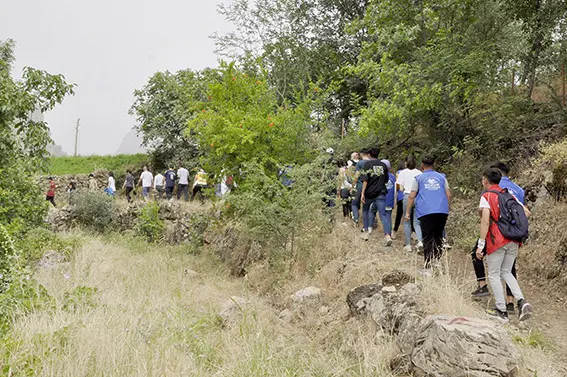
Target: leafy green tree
(164, 106)
(242, 122)
(23, 142)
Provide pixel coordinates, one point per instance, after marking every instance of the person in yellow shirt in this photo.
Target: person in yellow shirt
(199, 184)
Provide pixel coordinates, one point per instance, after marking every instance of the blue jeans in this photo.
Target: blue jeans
(355, 205)
(369, 210)
(146, 191)
(407, 225)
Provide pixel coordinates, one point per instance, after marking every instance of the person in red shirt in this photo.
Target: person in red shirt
(50, 196)
(500, 251)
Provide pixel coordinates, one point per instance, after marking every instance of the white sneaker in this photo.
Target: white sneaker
(393, 235)
(420, 246)
(408, 249)
(388, 240)
(446, 244)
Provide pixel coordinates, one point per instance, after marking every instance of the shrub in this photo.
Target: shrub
(149, 225)
(93, 210)
(39, 240)
(554, 159)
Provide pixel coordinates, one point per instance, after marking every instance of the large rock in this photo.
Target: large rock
(440, 345)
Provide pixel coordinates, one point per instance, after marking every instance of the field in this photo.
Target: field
(88, 164)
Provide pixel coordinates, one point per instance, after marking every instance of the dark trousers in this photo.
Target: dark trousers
(128, 192)
(400, 215)
(197, 190)
(51, 199)
(183, 189)
(432, 227)
(481, 273)
(347, 205)
(169, 192)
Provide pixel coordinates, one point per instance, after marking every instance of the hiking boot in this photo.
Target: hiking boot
(510, 308)
(525, 310)
(502, 316)
(481, 292)
(408, 249)
(388, 240)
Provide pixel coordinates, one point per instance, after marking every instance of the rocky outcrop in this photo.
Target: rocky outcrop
(438, 345)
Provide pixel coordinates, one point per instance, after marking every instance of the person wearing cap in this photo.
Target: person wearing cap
(431, 194)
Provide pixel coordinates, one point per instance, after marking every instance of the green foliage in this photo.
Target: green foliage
(88, 164)
(535, 339)
(163, 107)
(242, 123)
(149, 225)
(80, 298)
(23, 141)
(93, 210)
(35, 242)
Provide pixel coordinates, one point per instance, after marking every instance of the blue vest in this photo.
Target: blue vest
(513, 188)
(391, 186)
(431, 196)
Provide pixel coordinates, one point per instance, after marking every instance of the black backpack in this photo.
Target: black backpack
(513, 222)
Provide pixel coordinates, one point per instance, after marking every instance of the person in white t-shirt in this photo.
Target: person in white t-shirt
(158, 185)
(405, 182)
(146, 181)
(111, 187)
(183, 184)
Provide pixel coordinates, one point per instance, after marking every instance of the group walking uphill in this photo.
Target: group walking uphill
(422, 200)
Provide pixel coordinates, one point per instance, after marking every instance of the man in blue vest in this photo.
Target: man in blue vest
(478, 264)
(432, 195)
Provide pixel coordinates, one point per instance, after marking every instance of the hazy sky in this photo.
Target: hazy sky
(108, 48)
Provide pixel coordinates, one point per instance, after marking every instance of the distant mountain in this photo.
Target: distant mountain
(132, 144)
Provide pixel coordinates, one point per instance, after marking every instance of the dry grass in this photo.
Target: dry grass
(149, 317)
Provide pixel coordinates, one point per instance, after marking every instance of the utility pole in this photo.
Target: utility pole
(563, 83)
(76, 136)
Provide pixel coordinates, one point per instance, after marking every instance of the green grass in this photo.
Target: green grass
(88, 164)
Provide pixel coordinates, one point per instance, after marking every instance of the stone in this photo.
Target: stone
(462, 346)
(323, 310)
(390, 289)
(233, 308)
(396, 278)
(286, 316)
(309, 293)
(358, 298)
(191, 274)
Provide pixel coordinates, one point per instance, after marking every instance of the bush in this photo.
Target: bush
(149, 225)
(553, 159)
(39, 240)
(93, 210)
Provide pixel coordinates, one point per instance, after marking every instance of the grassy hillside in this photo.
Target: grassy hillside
(88, 164)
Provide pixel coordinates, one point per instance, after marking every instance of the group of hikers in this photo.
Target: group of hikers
(161, 185)
(422, 199)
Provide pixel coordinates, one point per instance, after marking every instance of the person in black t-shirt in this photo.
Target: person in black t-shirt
(374, 178)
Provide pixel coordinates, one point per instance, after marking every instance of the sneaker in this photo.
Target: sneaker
(393, 235)
(502, 316)
(408, 249)
(446, 244)
(525, 310)
(510, 308)
(420, 248)
(481, 292)
(388, 240)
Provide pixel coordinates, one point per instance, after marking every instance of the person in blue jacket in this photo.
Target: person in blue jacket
(432, 195)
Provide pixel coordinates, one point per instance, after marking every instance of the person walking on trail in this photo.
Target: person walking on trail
(170, 178)
(501, 250)
(399, 202)
(390, 196)
(357, 185)
(50, 195)
(93, 185)
(199, 184)
(478, 264)
(405, 183)
(374, 177)
(128, 185)
(431, 194)
(146, 181)
(111, 186)
(183, 184)
(159, 181)
(344, 188)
